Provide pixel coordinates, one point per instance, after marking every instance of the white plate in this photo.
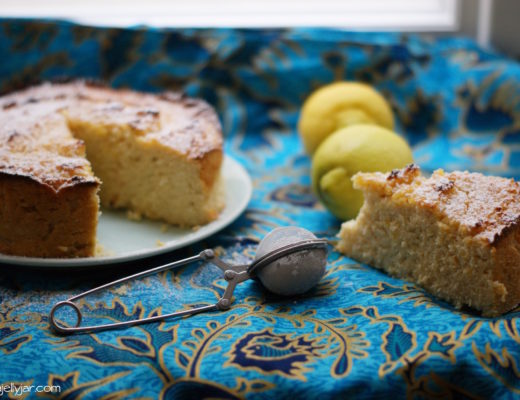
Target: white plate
(127, 240)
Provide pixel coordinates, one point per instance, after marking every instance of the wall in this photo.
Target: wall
(504, 19)
(506, 27)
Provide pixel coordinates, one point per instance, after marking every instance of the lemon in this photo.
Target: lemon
(358, 148)
(338, 105)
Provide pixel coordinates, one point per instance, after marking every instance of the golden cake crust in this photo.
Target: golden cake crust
(483, 206)
(35, 142)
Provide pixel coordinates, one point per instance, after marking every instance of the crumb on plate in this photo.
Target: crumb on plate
(133, 215)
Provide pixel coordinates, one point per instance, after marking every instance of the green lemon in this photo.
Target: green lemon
(358, 148)
(339, 105)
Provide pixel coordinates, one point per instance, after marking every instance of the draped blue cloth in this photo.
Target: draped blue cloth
(360, 333)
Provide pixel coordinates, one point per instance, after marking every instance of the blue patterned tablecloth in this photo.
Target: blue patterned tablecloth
(360, 333)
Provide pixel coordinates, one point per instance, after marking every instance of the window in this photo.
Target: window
(404, 15)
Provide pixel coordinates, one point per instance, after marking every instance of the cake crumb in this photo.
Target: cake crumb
(120, 290)
(102, 251)
(164, 228)
(134, 215)
(159, 243)
(219, 251)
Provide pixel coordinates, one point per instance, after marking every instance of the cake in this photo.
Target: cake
(455, 234)
(158, 156)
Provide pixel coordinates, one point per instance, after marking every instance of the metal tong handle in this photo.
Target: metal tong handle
(233, 275)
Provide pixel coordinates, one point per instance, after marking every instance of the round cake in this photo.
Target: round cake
(66, 147)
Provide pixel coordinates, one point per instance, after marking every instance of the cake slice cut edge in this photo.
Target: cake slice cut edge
(455, 234)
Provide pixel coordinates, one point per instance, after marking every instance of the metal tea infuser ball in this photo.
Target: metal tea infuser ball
(288, 261)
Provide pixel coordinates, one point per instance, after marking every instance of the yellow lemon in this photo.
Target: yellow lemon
(338, 105)
(358, 148)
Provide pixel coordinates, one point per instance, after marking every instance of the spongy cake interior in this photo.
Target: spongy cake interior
(151, 180)
(411, 243)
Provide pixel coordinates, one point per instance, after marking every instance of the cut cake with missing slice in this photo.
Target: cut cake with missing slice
(157, 155)
(455, 234)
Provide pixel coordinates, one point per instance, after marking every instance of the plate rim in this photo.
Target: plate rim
(83, 262)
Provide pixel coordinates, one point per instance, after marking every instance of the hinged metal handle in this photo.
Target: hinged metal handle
(233, 275)
(301, 242)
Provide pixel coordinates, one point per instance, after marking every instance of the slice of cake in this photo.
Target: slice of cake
(48, 193)
(455, 234)
(156, 155)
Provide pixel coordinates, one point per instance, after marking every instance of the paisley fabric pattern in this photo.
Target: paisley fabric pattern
(359, 333)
